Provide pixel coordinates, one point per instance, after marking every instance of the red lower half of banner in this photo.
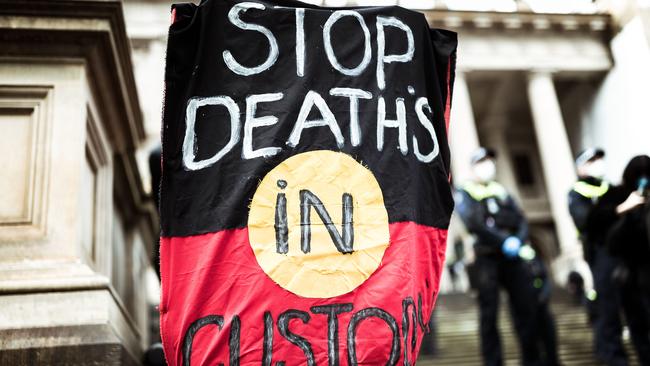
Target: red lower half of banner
(219, 307)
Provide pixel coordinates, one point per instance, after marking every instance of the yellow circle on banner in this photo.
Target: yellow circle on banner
(318, 225)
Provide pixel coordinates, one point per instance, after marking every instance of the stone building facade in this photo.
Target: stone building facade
(76, 224)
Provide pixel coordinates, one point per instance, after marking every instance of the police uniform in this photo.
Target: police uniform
(583, 197)
(593, 217)
(629, 240)
(490, 213)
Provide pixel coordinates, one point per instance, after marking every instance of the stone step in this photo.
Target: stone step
(457, 327)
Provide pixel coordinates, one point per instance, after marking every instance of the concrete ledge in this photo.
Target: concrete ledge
(74, 345)
(43, 324)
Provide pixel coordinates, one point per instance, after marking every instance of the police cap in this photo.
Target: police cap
(482, 154)
(589, 155)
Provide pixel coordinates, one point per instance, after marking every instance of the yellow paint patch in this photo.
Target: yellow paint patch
(323, 271)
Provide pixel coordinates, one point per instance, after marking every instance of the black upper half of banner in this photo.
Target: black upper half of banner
(249, 84)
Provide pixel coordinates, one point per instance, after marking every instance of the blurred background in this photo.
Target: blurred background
(81, 90)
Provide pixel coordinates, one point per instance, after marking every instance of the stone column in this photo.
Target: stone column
(559, 172)
(463, 136)
(76, 227)
(644, 12)
(495, 127)
(463, 140)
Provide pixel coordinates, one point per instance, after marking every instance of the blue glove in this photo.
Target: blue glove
(511, 246)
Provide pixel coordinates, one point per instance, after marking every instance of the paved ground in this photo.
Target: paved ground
(457, 322)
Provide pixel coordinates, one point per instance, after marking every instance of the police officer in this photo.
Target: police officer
(493, 217)
(629, 240)
(593, 218)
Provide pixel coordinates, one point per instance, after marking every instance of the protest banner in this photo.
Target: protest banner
(305, 195)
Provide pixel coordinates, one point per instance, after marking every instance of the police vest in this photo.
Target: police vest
(480, 191)
(493, 200)
(591, 191)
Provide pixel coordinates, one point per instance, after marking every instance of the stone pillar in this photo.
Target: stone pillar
(463, 140)
(495, 127)
(463, 136)
(559, 171)
(644, 13)
(76, 228)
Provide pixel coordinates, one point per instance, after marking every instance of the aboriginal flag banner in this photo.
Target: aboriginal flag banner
(305, 193)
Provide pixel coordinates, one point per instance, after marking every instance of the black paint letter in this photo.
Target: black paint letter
(302, 343)
(234, 341)
(423, 326)
(406, 303)
(267, 351)
(344, 243)
(281, 226)
(352, 333)
(191, 332)
(332, 312)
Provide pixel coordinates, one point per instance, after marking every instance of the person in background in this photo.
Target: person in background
(500, 229)
(155, 170)
(547, 332)
(629, 240)
(154, 355)
(590, 205)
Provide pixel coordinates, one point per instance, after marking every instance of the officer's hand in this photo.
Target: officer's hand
(511, 246)
(633, 200)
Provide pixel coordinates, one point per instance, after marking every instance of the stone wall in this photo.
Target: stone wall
(76, 226)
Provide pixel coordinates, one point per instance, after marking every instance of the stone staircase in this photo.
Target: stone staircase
(456, 318)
